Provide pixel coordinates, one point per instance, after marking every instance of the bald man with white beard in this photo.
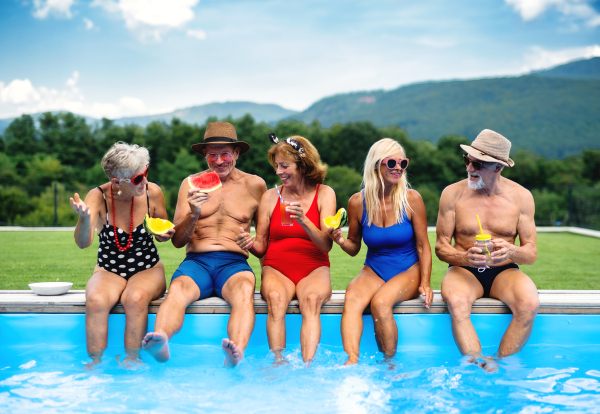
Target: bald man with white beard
(506, 210)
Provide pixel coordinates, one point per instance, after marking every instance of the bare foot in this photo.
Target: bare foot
(279, 359)
(96, 359)
(352, 360)
(157, 345)
(487, 363)
(233, 355)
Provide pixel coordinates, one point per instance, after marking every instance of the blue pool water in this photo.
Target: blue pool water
(42, 359)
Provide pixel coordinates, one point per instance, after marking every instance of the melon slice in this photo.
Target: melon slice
(337, 221)
(206, 181)
(157, 226)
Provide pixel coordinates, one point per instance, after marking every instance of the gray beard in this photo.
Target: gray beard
(478, 185)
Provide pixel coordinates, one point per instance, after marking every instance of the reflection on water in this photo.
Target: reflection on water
(432, 379)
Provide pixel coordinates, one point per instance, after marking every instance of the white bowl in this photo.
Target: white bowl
(51, 288)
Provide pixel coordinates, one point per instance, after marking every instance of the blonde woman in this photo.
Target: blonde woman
(391, 219)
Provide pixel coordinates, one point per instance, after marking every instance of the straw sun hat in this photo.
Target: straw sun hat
(221, 133)
(490, 146)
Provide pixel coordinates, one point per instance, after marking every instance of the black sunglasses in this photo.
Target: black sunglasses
(476, 164)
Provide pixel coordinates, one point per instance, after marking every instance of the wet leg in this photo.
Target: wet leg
(238, 291)
(401, 287)
(312, 291)
(359, 293)
(460, 289)
(278, 291)
(102, 293)
(141, 288)
(169, 319)
(519, 293)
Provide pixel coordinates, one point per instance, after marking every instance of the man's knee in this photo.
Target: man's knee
(459, 304)
(242, 292)
(183, 288)
(527, 307)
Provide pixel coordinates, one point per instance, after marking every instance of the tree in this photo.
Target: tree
(21, 137)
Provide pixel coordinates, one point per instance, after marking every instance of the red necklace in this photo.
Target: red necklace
(115, 225)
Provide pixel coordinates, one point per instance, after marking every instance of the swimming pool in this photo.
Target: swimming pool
(42, 359)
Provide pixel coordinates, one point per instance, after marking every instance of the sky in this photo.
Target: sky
(115, 58)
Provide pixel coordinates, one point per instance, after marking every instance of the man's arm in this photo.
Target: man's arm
(187, 212)
(526, 253)
(446, 225)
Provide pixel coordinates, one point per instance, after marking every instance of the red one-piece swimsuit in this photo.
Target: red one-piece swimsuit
(290, 250)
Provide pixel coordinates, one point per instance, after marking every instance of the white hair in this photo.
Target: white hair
(123, 160)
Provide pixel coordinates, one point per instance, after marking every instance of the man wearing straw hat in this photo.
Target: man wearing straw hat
(207, 224)
(506, 210)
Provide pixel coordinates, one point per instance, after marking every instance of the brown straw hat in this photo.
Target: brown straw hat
(221, 133)
(490, 146)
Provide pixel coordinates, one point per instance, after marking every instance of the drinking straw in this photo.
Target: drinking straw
(281, 198)
(477, 222)
(485, 245)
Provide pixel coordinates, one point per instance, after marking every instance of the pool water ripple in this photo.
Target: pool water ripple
(419, 379)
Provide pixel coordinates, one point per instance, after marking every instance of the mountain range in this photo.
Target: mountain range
(554, 112)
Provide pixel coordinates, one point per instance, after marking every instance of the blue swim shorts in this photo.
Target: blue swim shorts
(211, 270)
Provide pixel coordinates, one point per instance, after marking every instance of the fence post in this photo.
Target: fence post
(570, 204)
(55, 206)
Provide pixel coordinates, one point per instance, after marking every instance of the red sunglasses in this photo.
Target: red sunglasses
(137, 179)
(225, 156)
(391, 163)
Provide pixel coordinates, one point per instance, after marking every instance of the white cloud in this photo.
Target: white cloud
(539, 58)
(151, 18)
(530, 9)
(59, 8)
(198, 34)
(20, 96)
(89, 25)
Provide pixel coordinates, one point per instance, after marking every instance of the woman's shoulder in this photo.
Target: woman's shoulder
(95, 194)
(356, 199)
(154, 190)
(270, 195)
(413, 195)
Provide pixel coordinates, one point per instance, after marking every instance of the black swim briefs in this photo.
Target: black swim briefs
(486, 278)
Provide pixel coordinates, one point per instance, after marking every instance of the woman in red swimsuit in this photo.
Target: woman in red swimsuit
(297, 261)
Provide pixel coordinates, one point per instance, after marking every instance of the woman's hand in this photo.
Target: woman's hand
(80, 207)
(245, 240)
(196, 199)
(428, 294)
(164, 237)
(336, 235)
(296, 212)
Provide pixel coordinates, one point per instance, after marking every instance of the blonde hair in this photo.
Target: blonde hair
(373, 182)
(311, 166)
(123, 160)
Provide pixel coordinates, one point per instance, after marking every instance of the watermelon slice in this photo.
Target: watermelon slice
(206, 181)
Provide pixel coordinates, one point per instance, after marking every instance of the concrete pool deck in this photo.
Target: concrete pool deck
(551, 302)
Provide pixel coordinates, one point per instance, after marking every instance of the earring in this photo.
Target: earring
(119, 192)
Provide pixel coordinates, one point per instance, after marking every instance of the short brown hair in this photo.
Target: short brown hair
(311, 165)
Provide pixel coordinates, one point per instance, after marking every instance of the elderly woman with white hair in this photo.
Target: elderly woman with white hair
(391, 219)
(128, 267)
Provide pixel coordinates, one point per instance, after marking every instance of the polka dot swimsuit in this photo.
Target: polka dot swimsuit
(140, 256)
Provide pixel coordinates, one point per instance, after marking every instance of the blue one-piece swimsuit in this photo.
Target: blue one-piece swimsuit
(392, 250)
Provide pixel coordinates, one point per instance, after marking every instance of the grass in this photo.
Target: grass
(565, 261)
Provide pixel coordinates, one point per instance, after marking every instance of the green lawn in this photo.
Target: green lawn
(565, 261)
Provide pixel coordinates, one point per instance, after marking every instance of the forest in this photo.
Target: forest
(44, 160)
